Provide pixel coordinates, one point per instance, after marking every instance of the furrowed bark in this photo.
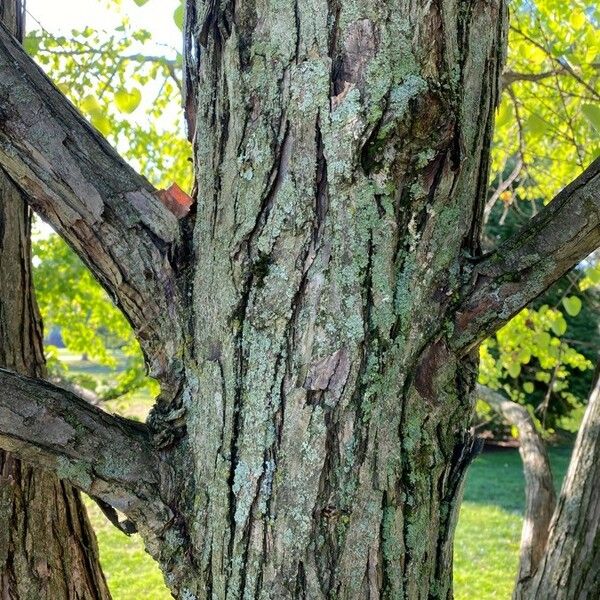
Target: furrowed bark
(540, 498)
(341, 151)
(520, 269)
(48, 549)
(110, 215)
(104, 455)
(571, 566)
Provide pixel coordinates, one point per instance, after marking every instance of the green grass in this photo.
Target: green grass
(487, 537)
(131, 572)
(489, 528)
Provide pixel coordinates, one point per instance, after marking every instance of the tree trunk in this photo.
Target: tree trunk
(571, 565)
(540, 497)
(342, 158)
(48, 549)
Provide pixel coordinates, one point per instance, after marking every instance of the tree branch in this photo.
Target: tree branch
(509, 77)
(540, 498)
(108, 214)
(104, 455)
(520, 269)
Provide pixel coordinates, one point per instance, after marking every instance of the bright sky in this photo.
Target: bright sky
(61, 16)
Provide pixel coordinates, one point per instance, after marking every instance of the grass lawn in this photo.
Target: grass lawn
(131, 573)
(489, 528)
(487, 538)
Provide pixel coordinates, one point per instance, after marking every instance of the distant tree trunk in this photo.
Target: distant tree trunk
(560, 547)
(540, 497)
(48, 549)
(570, 568)
(313, 320)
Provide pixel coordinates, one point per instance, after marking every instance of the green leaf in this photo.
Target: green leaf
(594, 275)
(592, 114)
(528, 387)
(126, 101)
(178, 16)
(140, 2)
(101, 123)
(559, 326)
(536, 125)
(543, 376)
(90, 105)
(542, 340)
(572, 305)
(514, 370)
(32, 44)
(577, 19)
(505, 114)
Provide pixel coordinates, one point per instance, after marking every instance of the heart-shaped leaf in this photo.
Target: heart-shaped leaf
(572, 305)
(559, 326)
(128, 101)
(101, 123)
(90, 105)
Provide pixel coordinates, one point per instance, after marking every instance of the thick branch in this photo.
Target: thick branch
(520, 269)
(104, 455)
(109, 214)
(540, 498)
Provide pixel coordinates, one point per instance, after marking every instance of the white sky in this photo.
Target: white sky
(61, 16)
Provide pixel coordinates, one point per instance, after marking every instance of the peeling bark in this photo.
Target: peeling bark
(110, 215)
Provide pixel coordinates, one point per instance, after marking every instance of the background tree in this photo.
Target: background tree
(48, 549)
(559, 542)
(313, 339)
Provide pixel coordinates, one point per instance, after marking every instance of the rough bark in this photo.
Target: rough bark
(521, 268)
(540, 498)
(571, 566)
(105, 455)
(313, 435)
(341, 153)
(109, 214)
(48, 549)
